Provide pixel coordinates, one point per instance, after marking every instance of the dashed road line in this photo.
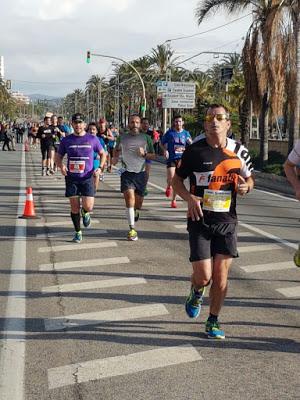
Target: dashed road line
(121, 365)
(290, 292)
(100, 317)
(72, 247)
(268, 267)
(84, 263)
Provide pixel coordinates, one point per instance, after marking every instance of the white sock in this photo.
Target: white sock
(130, 216)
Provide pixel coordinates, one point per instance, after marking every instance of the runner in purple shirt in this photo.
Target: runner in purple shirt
(79, 171)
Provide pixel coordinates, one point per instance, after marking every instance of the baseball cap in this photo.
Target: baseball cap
(102, 120)
(77, 117)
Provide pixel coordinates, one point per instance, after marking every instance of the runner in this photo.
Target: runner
(218, 169)
(107, 136)
(46, 136)
(145, 128)
(174, 142)
(136, 147)
(79, 171)
(99, 173)
(292, 172)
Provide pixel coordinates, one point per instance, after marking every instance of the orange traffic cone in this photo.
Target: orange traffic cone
(26, 145)
(29, 211)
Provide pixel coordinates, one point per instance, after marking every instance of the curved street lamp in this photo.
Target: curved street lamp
(144, 105)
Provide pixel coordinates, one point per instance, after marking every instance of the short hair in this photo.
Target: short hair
(134, 115)
(217, 105)
(46, 118)
(177, 117)
(92, 124)
(60, 117)
(144, 119)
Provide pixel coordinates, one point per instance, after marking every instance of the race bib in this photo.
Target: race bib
(216, 200)
(179, 150)
(77, 167)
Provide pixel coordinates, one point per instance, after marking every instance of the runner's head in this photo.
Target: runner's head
(54, 120)
(178, 123)
(60, 120)
(102, 124)
(134, 124)
(47, 121)
(217, 122)
(145, 124)
(92, 128)
(78, 124)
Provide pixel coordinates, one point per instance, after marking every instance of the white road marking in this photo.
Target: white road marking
(100, 317)
(245, 234)
(269, 235)
(72, 247)
(260, 247)
(102, 284)
(12, 357)
(62, 223)
(182, 226)
(69, 233)
(84, 263)
(121, 365)
(64, 201)
(269, 267)
(290, 292)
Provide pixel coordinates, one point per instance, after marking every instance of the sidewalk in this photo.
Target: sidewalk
(263, 181)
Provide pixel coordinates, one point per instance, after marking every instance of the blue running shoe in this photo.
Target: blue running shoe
(193, 302)
(86, 218)
(213, 330)
(77, 237)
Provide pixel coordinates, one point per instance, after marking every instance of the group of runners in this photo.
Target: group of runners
(218, 169)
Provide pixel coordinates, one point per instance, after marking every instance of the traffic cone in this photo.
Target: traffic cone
(26, 145)
(29, 211)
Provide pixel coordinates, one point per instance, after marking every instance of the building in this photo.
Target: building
(20, 97)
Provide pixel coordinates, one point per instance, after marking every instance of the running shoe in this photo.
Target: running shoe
(213, 330)
(132, 235)
(173, 204)
(168, 191)
(136, 215)
(86, 218)
(48, 173)
(77, 237)
(193, 302)
(43, 172)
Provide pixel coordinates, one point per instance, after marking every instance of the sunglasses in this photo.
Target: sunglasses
(219, 117)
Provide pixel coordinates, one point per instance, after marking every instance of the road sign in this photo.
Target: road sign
(177, 94)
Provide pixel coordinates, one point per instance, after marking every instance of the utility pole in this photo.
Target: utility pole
(117, 103)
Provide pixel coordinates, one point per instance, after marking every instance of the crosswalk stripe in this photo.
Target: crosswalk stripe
(84, 263)
(83, 246)
(54, 201)
(61, 223)
(99, 317)
(87, 232)
(102, 284)
(290, 291)
(182, 226)
(260, 247)
(269, 267)
(121, 365)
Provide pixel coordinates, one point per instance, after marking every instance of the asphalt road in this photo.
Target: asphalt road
(105, 319)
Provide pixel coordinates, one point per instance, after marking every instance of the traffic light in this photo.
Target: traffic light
(88, 57)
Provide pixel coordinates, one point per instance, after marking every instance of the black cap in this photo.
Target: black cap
(77, 117)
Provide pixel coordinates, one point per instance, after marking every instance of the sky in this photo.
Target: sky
(44, 42)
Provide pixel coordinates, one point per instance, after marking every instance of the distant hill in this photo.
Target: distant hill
(35, 97)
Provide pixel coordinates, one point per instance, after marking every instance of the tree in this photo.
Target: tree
(263, 55)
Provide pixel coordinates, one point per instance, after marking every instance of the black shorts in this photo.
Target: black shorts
(134, 180)
(80, 187)
(207, 241)
(46, 151)
(174, 163)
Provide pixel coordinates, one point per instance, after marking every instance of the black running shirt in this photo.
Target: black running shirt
(213, 175)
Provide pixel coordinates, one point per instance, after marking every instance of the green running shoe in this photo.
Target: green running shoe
(77, 237)
(213, 330)
(136, 215)
(132, 235)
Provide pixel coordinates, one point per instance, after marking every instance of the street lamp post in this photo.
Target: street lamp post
(89, 54)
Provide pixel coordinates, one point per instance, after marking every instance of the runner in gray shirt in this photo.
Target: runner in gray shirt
(136, 148)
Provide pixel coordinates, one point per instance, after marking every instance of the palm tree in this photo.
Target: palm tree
(263, 55)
